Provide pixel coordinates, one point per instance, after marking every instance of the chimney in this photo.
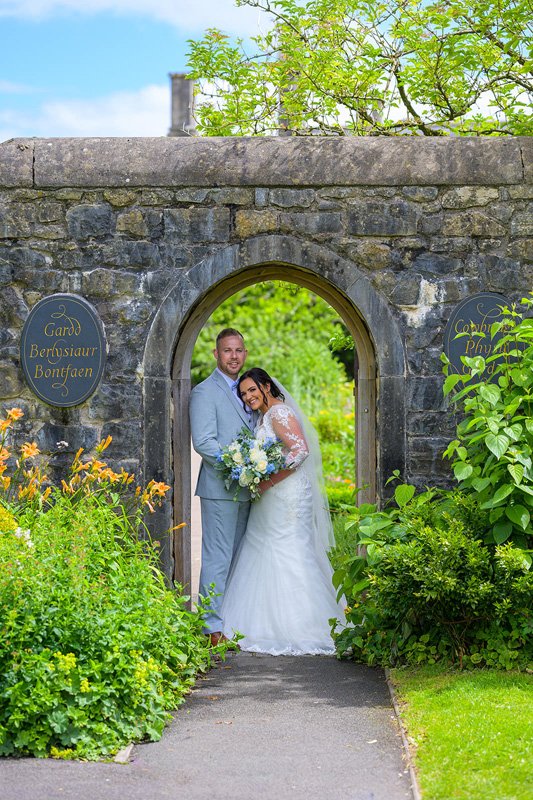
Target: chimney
(182, 121)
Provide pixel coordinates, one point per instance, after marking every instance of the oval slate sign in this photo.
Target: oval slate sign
(474, 315)
(63, 349)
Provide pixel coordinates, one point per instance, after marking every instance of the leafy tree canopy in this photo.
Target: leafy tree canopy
(382, 67)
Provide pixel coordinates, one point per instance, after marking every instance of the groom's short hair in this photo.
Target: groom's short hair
(225, 332)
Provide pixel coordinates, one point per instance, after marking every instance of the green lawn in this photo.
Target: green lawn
(471, 732)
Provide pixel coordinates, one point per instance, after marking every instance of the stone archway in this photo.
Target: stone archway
(380, 378)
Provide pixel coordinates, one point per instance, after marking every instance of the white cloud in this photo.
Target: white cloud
(142, 113)
(185, 15)
(8, 87)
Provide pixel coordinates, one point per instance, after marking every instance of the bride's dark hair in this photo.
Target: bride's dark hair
(261, 378)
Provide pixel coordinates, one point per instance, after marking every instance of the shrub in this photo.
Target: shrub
(95, 650)
(424, 587)
(335, 426)
(340, 495)
(493, 452)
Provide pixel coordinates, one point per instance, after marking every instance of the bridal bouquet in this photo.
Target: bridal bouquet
(249, 461)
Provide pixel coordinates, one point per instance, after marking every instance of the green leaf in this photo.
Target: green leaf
(450, 383)
(495, 328)
(493, 426)
(497, 444)
(479, 484)
(462, 471)
(475, 364)
(360, 586)
(529, 425)
(519, 515)
(403, 494)
(514, 432)
(516, 472)
(490, 392)
(501, 531)
(503, 492)
(520, 377)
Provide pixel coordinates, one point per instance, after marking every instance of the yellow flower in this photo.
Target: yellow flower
(65, 662)
(104, 444)
(5, 424)
(7, 520)
(84, 686)
(4, 453)
(55, 752)
(15, 413)
(29, 450)
(158, 489)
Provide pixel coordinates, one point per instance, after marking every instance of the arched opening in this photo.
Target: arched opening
(301, 341)
(167, 382)
(364, 383)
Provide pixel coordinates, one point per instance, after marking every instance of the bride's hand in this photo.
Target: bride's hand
(262, 486)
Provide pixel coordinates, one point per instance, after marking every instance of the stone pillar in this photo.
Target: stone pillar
(182, 121)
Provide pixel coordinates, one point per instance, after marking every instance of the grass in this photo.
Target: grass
(472, 732)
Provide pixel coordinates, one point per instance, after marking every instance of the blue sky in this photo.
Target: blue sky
(99, 67)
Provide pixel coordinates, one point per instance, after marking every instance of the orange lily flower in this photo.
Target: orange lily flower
(29, 450)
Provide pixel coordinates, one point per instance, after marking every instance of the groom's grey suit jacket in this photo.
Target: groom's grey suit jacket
(216, 419)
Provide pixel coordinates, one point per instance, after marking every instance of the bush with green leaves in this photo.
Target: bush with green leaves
(340, 496)
(423, 587)
(95, 650)
(335, 426)
(493, 453)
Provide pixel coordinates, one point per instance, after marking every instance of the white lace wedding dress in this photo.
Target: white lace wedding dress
(279, 592)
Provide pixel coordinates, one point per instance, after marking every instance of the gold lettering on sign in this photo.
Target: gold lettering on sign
(53, 362)
(476, 345)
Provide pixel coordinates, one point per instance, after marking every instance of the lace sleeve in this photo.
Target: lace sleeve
(287, 428)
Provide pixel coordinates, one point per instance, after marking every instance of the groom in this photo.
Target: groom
(217, 416)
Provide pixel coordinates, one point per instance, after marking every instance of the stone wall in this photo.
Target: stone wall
(422, 223)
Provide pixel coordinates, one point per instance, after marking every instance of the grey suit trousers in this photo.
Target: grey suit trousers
(223, 523)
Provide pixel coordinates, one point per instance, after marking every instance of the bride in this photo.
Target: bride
(279, 592)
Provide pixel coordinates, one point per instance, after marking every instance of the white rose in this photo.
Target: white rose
(245, 478)
(234, 447)
(262, 465)
(257, 455)
(237, 458)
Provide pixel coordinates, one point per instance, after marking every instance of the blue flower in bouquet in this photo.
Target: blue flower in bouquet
(247, 461)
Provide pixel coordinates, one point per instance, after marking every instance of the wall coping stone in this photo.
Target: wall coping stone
(16, 163)
(265, 161)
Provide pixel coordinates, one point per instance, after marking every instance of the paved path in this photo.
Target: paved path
(255, 727)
